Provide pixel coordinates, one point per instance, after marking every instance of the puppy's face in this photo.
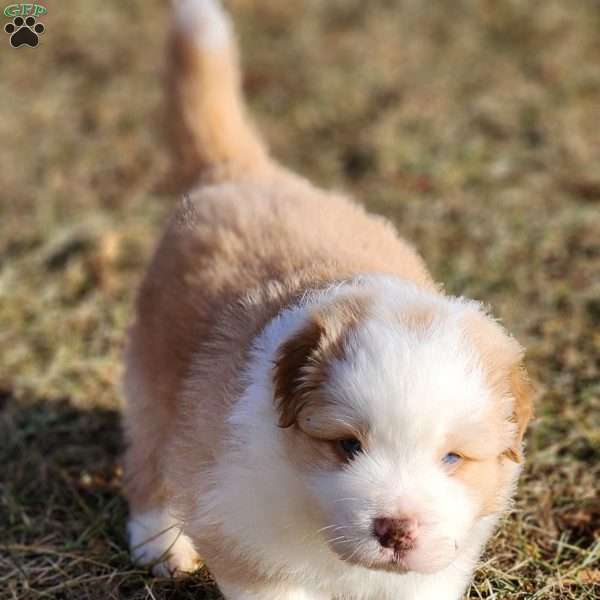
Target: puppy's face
(405, 423)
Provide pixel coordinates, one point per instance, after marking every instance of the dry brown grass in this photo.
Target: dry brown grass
(472, 124)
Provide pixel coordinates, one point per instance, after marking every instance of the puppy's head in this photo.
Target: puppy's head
(404, 418)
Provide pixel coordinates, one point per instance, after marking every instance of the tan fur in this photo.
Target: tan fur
(235, 253)
(502, 358)
(523, 393)
(212, 137)
(487, 481)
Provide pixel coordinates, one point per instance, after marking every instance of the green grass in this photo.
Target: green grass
(473, 125)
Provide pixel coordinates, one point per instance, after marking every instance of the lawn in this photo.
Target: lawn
(473, 125)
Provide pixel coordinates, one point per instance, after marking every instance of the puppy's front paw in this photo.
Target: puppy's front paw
(156, 540)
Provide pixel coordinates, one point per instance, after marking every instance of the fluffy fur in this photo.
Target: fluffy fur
(276, 321)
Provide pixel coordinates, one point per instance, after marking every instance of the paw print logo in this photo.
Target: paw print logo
(24, 32)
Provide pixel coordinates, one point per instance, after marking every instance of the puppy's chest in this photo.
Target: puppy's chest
(361, 584)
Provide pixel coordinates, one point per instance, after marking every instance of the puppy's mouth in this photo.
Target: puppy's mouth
(389, 561)
(400, 559)
(377, 559)
(397, 557)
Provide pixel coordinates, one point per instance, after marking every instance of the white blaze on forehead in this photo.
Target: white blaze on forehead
(411, 384)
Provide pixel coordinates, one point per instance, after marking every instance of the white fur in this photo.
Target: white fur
(156, 539)
(204, 22)
(275, 592)
(412, 389)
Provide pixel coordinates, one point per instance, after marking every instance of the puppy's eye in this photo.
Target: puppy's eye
(350, 447)
(452, 458)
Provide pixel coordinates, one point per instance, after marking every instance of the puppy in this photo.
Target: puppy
(305, 407)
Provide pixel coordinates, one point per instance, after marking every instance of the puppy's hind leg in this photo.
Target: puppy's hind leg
(155, 537)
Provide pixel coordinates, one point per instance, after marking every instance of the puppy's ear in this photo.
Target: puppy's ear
(502, 358)
(302, 363)
(523, 393)
(297, 369)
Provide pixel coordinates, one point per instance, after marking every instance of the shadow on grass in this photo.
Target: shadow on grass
(62, 516)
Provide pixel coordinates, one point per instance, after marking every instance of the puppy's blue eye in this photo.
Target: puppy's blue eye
(350, 447)
(451, 458)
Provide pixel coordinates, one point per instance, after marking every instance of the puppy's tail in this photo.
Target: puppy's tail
(211, 133)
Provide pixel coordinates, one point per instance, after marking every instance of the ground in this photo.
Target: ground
(473, 125)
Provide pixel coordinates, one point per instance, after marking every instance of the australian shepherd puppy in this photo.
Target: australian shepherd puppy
(306, 409)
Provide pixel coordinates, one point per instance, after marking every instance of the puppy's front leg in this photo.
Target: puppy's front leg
(268, 592)
(156, 539)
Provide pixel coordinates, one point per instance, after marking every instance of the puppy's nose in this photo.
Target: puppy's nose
(398, 534)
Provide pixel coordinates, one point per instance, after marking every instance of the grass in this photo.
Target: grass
(473, 125)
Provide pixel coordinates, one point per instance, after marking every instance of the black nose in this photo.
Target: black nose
(397, 534)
